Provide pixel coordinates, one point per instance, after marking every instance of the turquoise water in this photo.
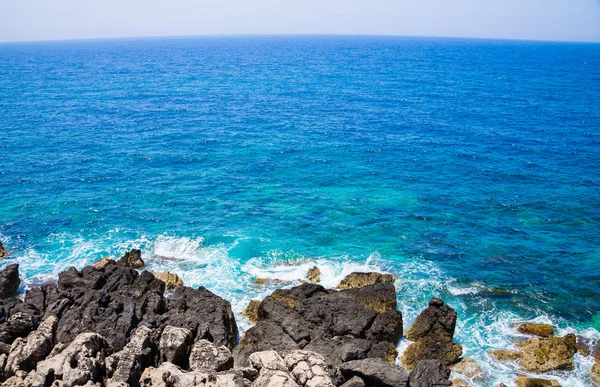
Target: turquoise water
(469, 169)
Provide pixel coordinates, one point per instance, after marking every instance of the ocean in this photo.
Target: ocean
(470, 169)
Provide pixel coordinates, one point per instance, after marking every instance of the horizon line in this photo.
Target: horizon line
(239, 35)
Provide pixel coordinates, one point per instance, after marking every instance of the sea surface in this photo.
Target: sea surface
(470, 169)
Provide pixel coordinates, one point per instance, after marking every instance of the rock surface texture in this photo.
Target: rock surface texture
(9, 280)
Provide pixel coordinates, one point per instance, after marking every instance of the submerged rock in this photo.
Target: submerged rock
(9, 280)
(132, 259)
(358, 280)
(468, 368)
(432, 333)
(542, 330)
(171, 280)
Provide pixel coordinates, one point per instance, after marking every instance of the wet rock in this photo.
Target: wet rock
(432, 333)
(171, 280)
(270, 360)
(261, 281)
(354, 382)
(523, 381)
(207, 357)
(460, 383)
(125, 367)
(81, 362)
(25, 354)
(542, 330)
(9, 280)
(595, 373)
(3, 251)
(468, 368)
(375, 372)
(585, 345)
(174, 345)
(507, 354)
(553, 353)
(101, 264)
(428, 373)
(251, 311)
(358, 280)
(132, 259)
(314, 275)
(387, 326)
(309, 369)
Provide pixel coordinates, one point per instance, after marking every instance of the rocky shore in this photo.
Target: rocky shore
(114, 324)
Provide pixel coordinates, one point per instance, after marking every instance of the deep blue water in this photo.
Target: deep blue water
(470, 169)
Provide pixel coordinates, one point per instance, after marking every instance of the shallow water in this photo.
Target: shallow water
(469, 169)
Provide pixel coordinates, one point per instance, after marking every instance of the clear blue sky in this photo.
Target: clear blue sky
(515, 19)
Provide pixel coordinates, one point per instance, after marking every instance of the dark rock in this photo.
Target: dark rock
(17, 319)
(174, 346)
(354, 382)
(431, 347)
(340, 325)
(132, 259)
(430, 373)
(126, 366)
(375, 372)
(438, 319)
(25, 354)
(9, 280)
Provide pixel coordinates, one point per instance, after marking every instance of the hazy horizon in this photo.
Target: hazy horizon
(550, 20)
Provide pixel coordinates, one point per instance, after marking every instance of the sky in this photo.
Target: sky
(32, 20)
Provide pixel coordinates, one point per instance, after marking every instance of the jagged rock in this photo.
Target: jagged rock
(430, 373)
(314, 275)
(310, 317)
(207, 357)
(17, 319)
(25, 354)
(595, 373)
(437, 319)
(251, 311)
(268, 360)
(432, 332)
(132, 259)
(523, 381)
(358, 280)
(101, 264)
(468, 368)
(79, 363)
(585, 345)
(506, 354)
(171, 280)
(542, 330)
(174, 345)
(125, 367)
(169, 375)
(354, 382)
(9, 280)
(3, 251)
(3, 359)
(309, 369)
(376, 372)
(553, 353)
(273, 378)
(341, 349)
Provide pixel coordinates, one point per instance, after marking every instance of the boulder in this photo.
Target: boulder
(375, 372)
(125, 367)
(523, 381)
(9, 280)
(270, 360)
(310, 317)
(309, 369)
(169, 375)
(354, 382)
(507, 354)
(428, 373)
(468, 368)
(79, 363)
(101, 264)
(553, 353)
(3, 251)
(25, 354)
(314, 274)
(358, 280)
(432, 333)
(171, 280)
(542, 330)
(207, 357)
(273, 378)
(174, 345)
(132, 259)
(251, 311)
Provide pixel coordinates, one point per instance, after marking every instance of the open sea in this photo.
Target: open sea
(470, 169)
